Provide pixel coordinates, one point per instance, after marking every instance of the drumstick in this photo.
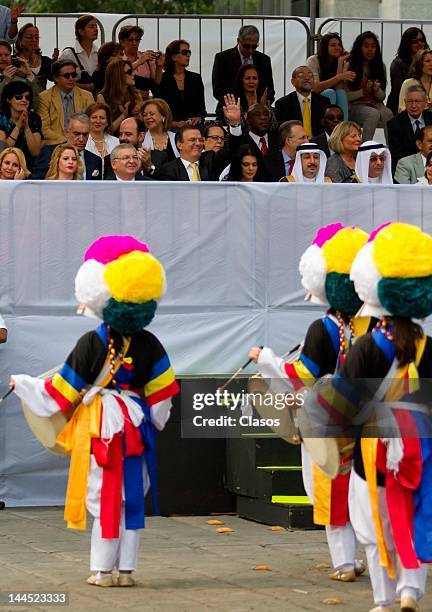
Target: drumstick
(2, 399)
(47, 374)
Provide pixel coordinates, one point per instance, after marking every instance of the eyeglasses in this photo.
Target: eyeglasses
(21, 96)
(127, 158)
(134, 40)
(187, 52)
(69, 75)
(216, 138)
(248, 46)
(129, 71)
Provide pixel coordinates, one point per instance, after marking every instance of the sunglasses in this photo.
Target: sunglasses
(248, 46)
(128, 71)
(69, 75)
(22, 96)
(187, 52)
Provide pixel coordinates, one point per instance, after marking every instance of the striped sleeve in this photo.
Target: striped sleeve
(161, 383)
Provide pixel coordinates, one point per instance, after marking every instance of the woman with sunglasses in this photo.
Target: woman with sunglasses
(119, 92)
(147, 65)
(20, 126)
(182, 89)
(412, 41)
(27, 47)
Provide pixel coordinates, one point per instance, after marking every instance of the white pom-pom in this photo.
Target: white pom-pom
(90, 286)
(313, 271)
(365, 276)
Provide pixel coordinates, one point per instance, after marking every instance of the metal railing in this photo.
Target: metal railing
(35, 17)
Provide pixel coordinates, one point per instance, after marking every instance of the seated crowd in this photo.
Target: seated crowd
(118, 113)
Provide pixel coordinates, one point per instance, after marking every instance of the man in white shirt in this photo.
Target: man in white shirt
(373, 163)
(125, 163)
(409, 169)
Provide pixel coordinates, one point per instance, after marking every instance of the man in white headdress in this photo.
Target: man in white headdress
(309, 166)
(373, 163)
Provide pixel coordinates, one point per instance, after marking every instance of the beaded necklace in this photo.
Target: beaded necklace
(343, 345)
(115, 358)
(385, 328)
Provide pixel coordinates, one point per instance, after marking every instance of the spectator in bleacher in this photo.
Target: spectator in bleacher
(107, 52)
(147, 65)
(159, 138)
(374, 163)
(20, 126)
(427, 178)
(77, 134)
(420, 73)
(58, 103)
(259, 136)
(119, 91)
(303, 104)
(182, 89)
(245, 166)
(412, 41)
(9, 20)
(309, 165)
(132, 131)
(12, 165)
(404, 129)
(17, 71)
(248, 87)
(329, 73)
(65, 164)
(125, 163)
(333, 115)
(195, 164)
(100, 142)
(345, 141)
(227, 63)
(409, 169)
(27, 47)
(214, 136)
(367, 92)
(281, 162)
(84, 53)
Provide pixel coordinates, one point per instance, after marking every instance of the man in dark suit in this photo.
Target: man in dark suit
(77, 134)
(132, 131)
(404, 129)
(227, 63)
(258, 137)
(195, 164)
(280, 163)
(125, 163)
(302, 102)
(333, 115)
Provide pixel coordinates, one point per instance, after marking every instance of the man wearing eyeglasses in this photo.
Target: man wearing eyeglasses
(227, 63)
(58, 103)
(126, 163)
(404, 129)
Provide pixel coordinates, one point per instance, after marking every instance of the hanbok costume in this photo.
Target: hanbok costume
(391, 483)
(325, 268)
(115, 389)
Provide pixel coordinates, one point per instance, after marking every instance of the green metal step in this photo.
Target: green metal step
(291, 499)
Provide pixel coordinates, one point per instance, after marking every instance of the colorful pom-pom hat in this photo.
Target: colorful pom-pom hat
(392, 273)
(325, 267)
(120, 282)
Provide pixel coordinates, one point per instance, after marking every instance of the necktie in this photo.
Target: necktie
(69, 109)
(291, 166)
(307, 124)
(417, 130)
(263, 146)
(195, 173)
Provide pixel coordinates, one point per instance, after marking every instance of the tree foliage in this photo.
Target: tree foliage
(121, 6)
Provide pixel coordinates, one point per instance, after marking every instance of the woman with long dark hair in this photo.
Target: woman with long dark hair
(246, 166)
(412, 41)
(420, 73)
(367, 91)
(330, 74)
(182, 89)
(248, 86)
(118, 92)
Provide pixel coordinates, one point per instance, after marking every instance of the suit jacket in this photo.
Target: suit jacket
(225, 67)
(50, 109)
(322, 143)
(92, 162)
(288, 107)
(108, 172)
(401, 136)
(274, 165)
(409, 169)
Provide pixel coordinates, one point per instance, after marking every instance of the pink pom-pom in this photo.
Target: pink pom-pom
(327, 232)
(110, 248)
(378, 229)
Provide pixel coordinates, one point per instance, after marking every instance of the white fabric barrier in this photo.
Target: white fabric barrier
(231, 254)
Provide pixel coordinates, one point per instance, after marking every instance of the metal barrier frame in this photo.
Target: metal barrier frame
(35, 16)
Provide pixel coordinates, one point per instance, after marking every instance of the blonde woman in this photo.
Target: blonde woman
(13, 165)
(65, 164)
(100, 141)
(345, 141)
(157, 118)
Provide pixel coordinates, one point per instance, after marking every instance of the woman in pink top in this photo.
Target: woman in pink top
(147, 65)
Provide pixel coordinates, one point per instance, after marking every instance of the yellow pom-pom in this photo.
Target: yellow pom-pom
(136, 277)
(402, 251)
(339, 251)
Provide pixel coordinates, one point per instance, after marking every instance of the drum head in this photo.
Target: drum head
(323, 451)
(46, 429)
(286, 429)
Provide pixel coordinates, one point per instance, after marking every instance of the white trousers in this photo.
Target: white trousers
(108, 554)
(409, 581)
(341, 539)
